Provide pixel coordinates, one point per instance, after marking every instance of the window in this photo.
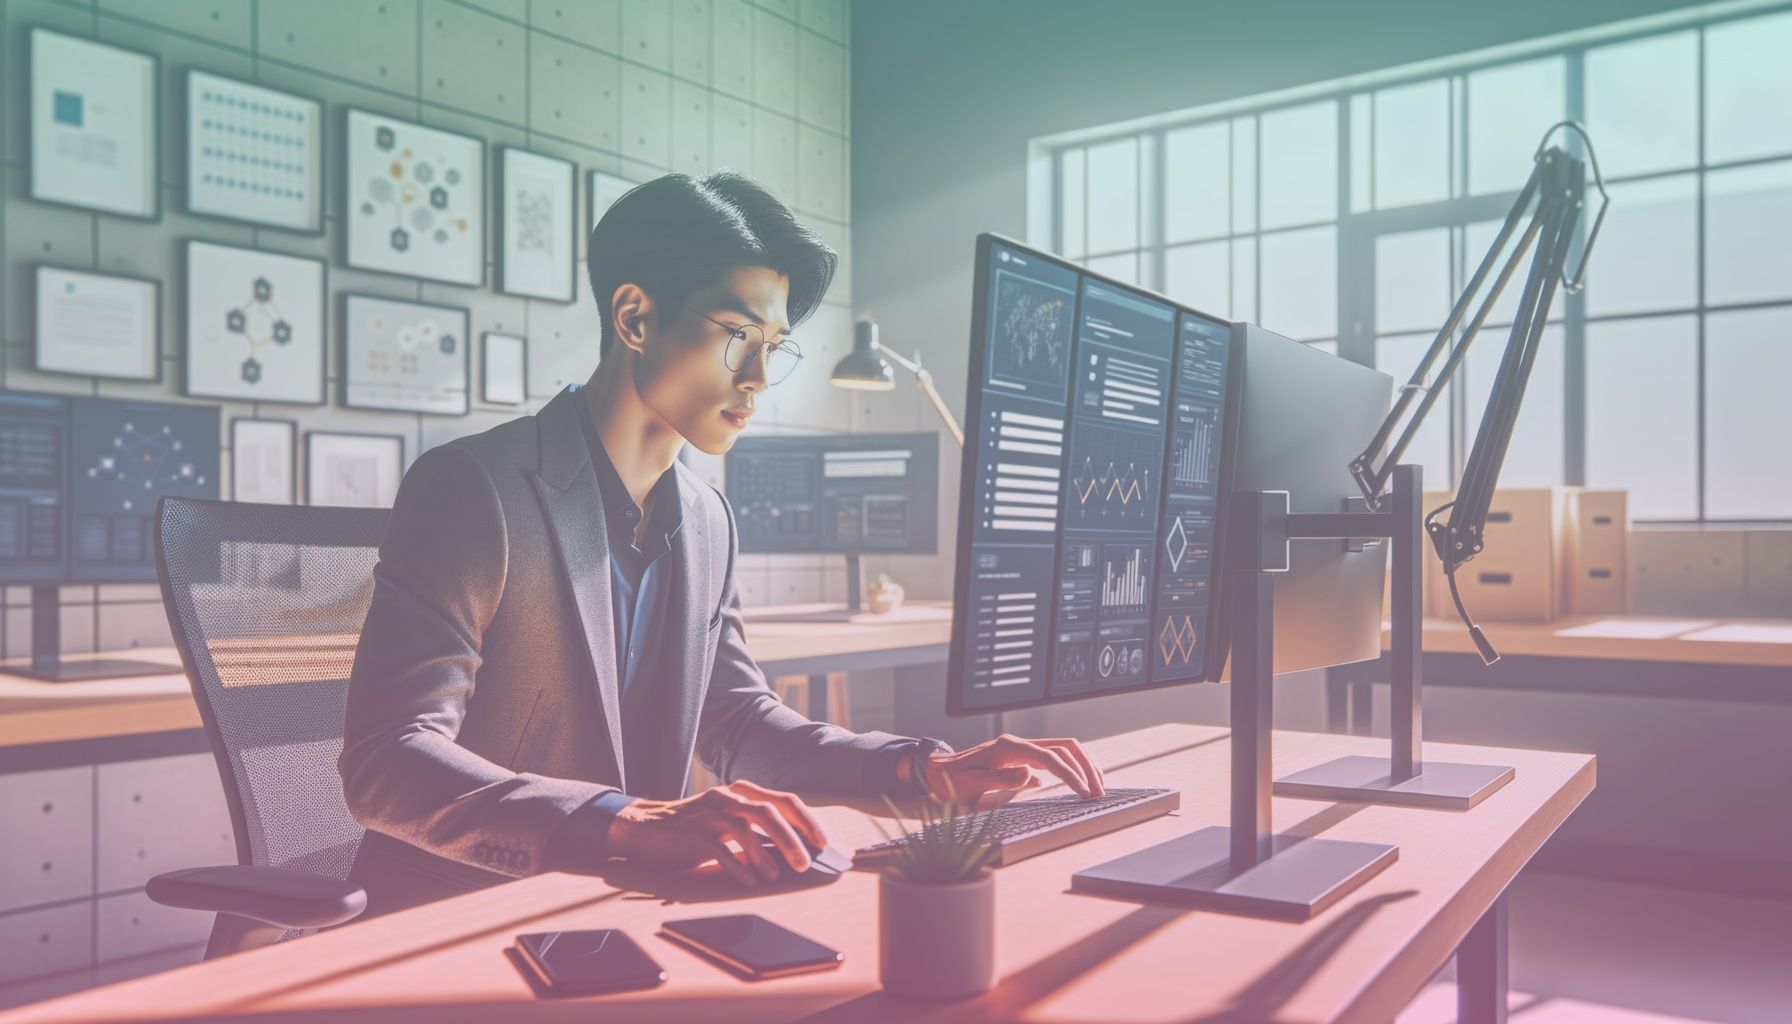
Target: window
(1350, 215)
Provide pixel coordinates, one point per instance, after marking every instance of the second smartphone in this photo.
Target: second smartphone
(751, 946)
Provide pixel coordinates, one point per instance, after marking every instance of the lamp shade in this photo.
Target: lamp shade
(863, 369)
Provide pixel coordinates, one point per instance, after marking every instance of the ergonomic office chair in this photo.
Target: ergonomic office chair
(266, 604)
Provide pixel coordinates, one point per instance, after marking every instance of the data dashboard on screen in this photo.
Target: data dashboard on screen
(1092, 477)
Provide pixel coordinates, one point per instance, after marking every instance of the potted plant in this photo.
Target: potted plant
(936, 904)
(883, 594)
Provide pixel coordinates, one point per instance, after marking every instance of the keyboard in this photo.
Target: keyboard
(1026, 828)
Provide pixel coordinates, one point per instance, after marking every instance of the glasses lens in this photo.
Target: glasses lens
(780, 361)
(743, 346)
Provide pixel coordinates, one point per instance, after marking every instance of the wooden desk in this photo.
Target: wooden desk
(1744, 660)
(44, 725)
(1061, 956)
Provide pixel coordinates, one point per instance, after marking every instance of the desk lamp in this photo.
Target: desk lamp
(867, 368)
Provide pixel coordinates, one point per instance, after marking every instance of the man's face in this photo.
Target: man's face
(681, 372)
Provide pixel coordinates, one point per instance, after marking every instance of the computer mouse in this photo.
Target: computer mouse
(823, 860)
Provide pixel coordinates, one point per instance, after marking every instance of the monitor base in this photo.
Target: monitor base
(1440, 785)
(1298, 880)
(82, 671)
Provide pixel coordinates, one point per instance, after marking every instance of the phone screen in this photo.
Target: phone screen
(599, 960)
(751, 944)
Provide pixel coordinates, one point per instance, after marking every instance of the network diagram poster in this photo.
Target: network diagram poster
(255, 325)
(415, 200)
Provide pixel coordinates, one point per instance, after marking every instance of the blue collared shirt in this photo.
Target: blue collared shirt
(639, 611)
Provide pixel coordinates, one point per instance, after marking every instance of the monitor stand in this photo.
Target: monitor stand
(46, 648)
(1246, 869)
(1404, 778)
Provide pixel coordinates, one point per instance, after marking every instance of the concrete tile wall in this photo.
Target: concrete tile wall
(630, 87)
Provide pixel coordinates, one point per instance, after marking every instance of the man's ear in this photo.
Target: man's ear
(631, 312)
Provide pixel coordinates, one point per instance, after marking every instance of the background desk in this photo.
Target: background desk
(1061, 956)
(1748, 660)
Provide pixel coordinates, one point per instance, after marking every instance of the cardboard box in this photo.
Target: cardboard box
(1596, 553)
(1514, 578)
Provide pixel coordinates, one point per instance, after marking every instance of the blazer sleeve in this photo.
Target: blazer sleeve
(746, 732)
(437, 584)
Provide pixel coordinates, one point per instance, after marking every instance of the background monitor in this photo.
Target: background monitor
(1302, 414)
(1092, 471)
(123, 455)
(848, 494)
(33, 488)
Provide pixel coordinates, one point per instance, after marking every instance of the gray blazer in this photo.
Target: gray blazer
(483, 707)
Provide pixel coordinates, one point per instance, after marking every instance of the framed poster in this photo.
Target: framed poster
(254, 154)
(506, 369)
(414, 200)
(404, 356)
(93, 126)
(358, 470)
(100, 325)
(603, 189)
(535, 225)
(255, 325)
(263, 463)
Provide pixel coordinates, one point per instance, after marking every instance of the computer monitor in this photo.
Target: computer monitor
(79, 481)
(33, 488)
(1301, 415)
(1092, 475)
(843, 494)
(846, 494)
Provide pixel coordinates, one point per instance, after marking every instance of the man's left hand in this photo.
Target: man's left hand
(1006, 763)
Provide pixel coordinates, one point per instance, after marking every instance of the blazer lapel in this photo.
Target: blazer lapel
(567, 485)
(688, 626)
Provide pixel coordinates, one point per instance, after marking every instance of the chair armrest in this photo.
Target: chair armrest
(276, 896)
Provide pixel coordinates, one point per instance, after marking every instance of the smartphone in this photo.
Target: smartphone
(751, 946)
(588, 962)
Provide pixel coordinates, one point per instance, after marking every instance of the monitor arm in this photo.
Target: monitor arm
(1557, 188)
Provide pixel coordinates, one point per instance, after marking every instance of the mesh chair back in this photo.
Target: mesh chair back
(266, 604)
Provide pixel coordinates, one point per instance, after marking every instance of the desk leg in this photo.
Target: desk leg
(1481, 984)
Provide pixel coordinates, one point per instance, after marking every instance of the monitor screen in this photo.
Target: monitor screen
(123, 456)
(33, 487)
(1092, 472)
(835, 494)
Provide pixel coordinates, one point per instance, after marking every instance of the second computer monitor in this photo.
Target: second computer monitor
(852, 494)
(1091, 480)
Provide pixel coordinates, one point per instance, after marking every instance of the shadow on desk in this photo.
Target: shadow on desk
(1256, 1002)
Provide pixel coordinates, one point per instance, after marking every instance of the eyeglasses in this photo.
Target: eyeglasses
(747, 343)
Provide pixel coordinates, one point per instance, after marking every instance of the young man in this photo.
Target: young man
(555, 625)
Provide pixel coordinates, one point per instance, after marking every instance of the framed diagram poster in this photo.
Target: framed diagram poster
(506, 371)
(254, 154)
(414, 200)
(404, 356)
(535, 225)
(357, 470)
(255, 325)
(263, 465)
(99, 325)
(602, 190)
(93, 126)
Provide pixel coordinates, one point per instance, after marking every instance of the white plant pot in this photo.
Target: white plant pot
(937, 940)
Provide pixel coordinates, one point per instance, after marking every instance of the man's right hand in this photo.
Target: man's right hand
(685, 833)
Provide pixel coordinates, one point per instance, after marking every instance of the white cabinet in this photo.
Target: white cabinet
(48, 852)
(160, 815)
(46, 941)
(131, 924)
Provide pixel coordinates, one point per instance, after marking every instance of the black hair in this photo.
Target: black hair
(676, 235)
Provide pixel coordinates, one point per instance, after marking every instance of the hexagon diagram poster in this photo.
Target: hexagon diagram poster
(255, 325)
(404, 356)
(414, 200)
